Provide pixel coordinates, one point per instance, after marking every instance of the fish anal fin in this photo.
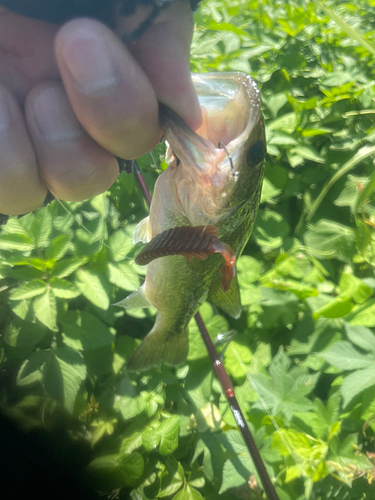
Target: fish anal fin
(161, 346)
(135, 299)
(142, 232)
(229, 301)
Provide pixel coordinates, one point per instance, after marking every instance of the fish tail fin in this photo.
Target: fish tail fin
(161, 346)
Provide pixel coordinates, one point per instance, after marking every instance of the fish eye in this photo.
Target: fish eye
(256, 153)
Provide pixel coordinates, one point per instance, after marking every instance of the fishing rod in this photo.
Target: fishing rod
(223, 377)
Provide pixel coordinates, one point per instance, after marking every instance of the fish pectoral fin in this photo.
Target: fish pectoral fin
(198, 242)
(229, 301)
(142, 232)
(135, 299)
(161, 346)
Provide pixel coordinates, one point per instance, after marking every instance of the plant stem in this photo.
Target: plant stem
(223, 379)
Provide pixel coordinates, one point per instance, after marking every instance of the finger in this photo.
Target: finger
(72, 164)
(109, 92)
(21, 189)
(26, 52)
(164, 54)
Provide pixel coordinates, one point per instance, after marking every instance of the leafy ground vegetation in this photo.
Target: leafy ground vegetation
(303, 359)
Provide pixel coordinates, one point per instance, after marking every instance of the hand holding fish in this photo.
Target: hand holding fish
(88, 97)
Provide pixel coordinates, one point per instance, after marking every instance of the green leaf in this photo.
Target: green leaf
(14, 226)
(276, 102)
(101, 428)
(100, 204)
(21, 308)
(213, 456)
(130, 407)
(248, 270)
(116, 471)
(65, 267)
(363, 315)
(31, 370)
(63, 375)
(168, 431)
(328, 239)
(362, 154)
(269, 191)
(308, 153)
(356, 382)
(41, 227)
(83, 331)
(58, 247)
(31, 289)
(336, 308)
(344, 356)
(63, 289)
(123, 275)
(236, 472)
(87, 243)
(270, 229)
(282, 139)
(361, 336)
(19, 242)
(278, 307)
(166, 435)
(288, 440)
(286, 390)
(352, 287)
(311, 132)
(354, 34)
(23, 334)
(287, 123)
(188, 493)
(174, 479)
(45, 309)
(119, 245)
(93, 286)
(236, 355)
(364, 194)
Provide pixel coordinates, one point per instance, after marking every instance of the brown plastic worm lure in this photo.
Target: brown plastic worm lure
(198, 242)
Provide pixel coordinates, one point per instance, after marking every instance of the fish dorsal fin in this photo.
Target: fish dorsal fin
(229, 301)
(142, 232)
(135, 299)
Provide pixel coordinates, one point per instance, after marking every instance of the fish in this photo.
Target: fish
(201, 216)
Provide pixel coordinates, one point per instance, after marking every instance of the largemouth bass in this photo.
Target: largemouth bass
(204, 205)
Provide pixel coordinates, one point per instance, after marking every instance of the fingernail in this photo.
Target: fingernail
(54, 116)
(6, 115)
(89, 61)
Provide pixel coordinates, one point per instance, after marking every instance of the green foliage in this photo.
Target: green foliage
(302, 354)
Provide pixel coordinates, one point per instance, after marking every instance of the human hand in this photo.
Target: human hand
(73, 98)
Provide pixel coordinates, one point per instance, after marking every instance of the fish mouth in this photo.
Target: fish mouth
(231, 107)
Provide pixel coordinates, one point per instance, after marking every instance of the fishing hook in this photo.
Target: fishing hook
(221, 145)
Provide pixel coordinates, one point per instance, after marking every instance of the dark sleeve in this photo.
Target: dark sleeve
(60, 11)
